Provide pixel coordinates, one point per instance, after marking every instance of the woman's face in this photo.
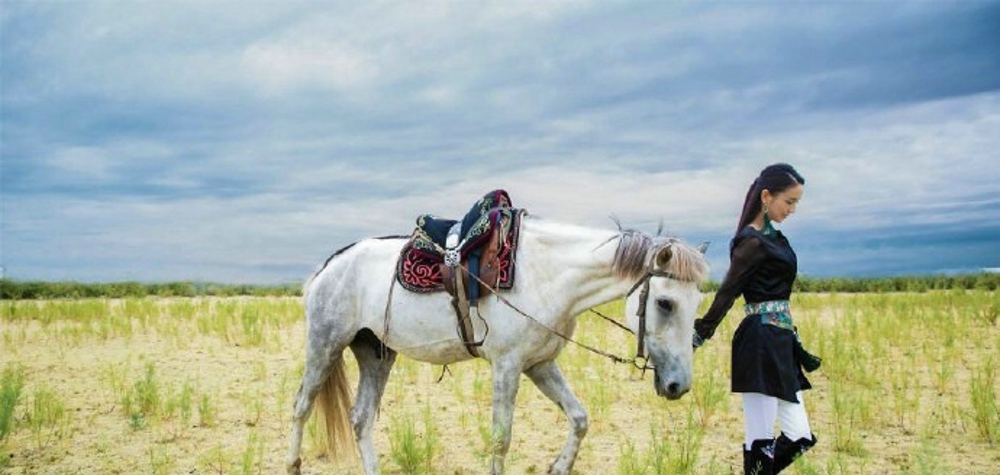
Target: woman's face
(782, 205)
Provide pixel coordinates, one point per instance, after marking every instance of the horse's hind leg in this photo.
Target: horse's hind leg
(551, 382)
(322, 360)
(315, 374)
(374, 363)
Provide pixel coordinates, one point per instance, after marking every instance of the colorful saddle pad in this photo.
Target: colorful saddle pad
(419, 266)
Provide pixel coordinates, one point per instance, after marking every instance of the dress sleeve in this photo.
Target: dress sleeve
(746, 257)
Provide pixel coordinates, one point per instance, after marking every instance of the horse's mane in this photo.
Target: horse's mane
(687, 263)
(632, 257)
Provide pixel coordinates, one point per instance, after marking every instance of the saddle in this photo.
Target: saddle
(468, 258)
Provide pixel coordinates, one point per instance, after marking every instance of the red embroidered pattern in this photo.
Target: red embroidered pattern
(419, 271)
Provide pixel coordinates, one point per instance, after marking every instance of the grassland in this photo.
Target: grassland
(205, 385)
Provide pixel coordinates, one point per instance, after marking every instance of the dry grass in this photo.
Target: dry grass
(180, 385)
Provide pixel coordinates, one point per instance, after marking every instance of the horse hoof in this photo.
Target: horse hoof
(295, 468)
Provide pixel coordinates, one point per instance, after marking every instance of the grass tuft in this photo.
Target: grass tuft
(985, 411)
(11, 386)
(412, 451)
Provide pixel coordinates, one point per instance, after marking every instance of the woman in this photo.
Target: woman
(767, 356)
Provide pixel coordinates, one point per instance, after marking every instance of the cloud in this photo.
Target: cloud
(194, 140)
(280, 68)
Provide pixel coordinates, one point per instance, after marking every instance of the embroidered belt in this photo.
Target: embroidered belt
(772, 312)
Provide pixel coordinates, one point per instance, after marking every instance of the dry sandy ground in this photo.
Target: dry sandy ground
(252, 390)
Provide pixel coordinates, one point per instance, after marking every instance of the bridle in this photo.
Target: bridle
(640, 350)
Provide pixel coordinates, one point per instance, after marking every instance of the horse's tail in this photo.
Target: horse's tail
(334, 401)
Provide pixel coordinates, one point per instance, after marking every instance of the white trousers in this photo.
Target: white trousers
(760, 412)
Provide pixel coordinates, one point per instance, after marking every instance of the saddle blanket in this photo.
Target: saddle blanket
(419, 268)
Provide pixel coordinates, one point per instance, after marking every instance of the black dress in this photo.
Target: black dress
(762, 268)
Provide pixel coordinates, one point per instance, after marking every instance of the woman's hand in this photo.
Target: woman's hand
(697, 341)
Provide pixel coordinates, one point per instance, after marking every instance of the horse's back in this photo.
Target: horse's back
(365, 265)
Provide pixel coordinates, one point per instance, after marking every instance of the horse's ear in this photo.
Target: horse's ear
(703, 247)
(663, 257)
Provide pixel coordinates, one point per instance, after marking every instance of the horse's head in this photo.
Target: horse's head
(670, 302)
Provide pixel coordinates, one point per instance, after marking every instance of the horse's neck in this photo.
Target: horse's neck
(576, 263)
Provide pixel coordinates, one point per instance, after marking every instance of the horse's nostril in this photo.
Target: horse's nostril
(673, 388)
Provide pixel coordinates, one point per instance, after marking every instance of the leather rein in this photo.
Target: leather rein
(640, 359)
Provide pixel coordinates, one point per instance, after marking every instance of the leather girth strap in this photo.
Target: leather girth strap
(463, 310)
(457, 280)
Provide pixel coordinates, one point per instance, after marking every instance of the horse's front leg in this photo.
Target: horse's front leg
(506, 377)
(551, 382)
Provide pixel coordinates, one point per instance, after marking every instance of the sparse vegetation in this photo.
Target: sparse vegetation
(413, 450)
(34, 290)
(46, 417)
(207, 384)
(985, 409)
(11, 385)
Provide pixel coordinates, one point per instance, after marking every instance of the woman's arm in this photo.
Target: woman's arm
(746, 257)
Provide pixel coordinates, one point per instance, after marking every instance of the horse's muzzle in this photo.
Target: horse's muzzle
(669, 388)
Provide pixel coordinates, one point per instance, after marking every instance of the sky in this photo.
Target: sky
(244, 142)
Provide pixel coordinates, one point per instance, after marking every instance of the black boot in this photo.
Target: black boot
(786, 450)
(759, 460)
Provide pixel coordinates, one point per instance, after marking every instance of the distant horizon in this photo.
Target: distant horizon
(944, 273)
(194, 141)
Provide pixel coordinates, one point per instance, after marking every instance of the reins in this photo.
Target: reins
(597, 351)
(640, 360)
(612, 321)
(640, 355)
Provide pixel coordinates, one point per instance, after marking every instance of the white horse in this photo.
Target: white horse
(562, 270)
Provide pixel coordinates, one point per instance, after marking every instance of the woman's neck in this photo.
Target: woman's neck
(763, 224)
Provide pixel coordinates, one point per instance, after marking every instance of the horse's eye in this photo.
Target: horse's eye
(666, 305)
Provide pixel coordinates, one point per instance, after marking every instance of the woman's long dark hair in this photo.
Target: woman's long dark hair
(775, 178)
